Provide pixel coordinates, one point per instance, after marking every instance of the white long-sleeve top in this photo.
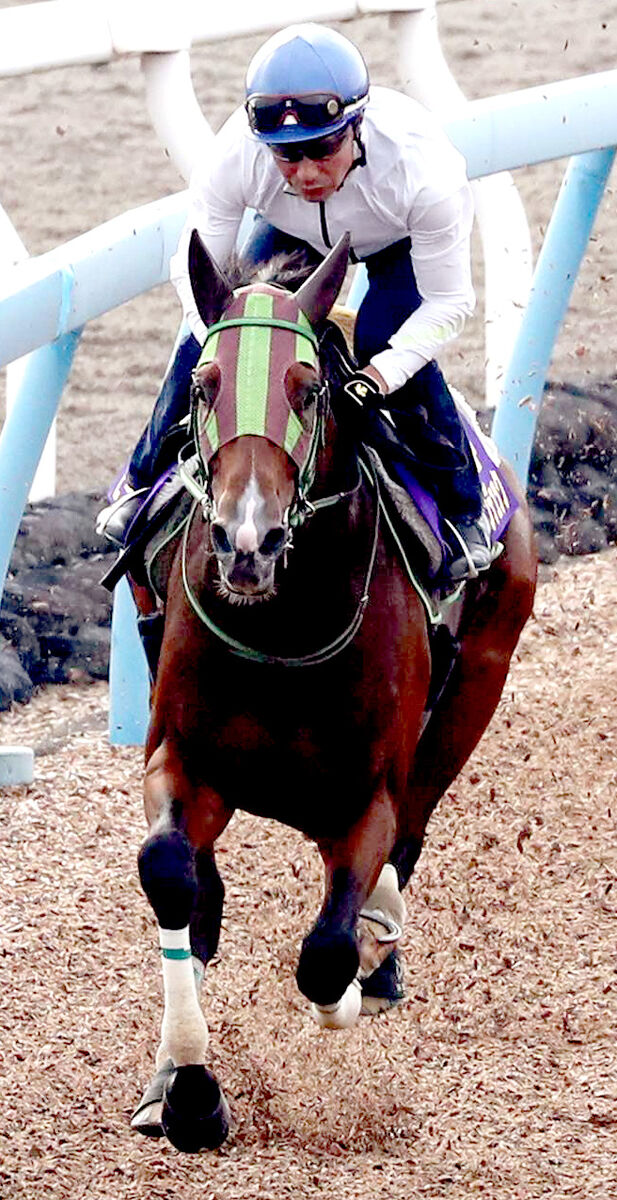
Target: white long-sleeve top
(414, 184)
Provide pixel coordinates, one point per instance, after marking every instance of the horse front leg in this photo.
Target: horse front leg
(179, 876)
(330, 964)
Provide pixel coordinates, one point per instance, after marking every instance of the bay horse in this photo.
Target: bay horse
(293, 676)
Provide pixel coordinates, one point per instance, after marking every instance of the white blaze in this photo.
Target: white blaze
(247, 538)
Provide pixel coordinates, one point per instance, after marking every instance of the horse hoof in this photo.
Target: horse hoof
(384, 988)
(195, 1112)
(328, 964)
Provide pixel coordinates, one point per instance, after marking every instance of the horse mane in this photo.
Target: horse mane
(290, 271)
(283, 270)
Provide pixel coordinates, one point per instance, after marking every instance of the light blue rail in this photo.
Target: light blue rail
(49, 299)
(556, 270)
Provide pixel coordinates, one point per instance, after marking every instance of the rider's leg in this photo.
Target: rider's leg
(148, 459)
(450, 472)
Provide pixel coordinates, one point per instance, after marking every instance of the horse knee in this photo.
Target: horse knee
(166, 864)
(523, 590)
(329, 961)
(520, 565)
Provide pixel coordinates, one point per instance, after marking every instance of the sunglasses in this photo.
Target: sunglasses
(324, 147)
(266, 114)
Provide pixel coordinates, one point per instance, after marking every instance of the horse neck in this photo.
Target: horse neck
(337, 466)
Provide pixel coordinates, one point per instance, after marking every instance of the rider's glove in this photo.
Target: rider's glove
(364, 390)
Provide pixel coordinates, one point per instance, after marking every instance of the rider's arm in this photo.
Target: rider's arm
(216, 207)
(440, 231)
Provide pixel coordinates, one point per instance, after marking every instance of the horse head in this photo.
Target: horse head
(258, 405)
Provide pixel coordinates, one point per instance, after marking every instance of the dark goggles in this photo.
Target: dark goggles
(266, 114)
(324, 147)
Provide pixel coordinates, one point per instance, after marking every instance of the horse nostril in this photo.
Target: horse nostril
(220, 541)
(273, 542)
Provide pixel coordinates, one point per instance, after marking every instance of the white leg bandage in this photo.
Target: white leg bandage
(343, 1014)
(184, 1033)
(381, 921)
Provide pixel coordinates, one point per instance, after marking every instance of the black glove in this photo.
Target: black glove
(364, 390)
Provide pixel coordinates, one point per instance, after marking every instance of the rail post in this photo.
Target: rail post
(558, 263)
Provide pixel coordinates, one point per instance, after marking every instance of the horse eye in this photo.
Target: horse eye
(312, 395)
(220, 541)
(274, 541)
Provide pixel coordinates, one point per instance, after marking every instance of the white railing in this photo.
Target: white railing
(38, 37)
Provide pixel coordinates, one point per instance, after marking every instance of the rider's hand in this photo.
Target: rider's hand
(364, 389)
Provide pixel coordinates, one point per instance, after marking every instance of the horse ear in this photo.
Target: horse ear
(319, 292)
(210, 287)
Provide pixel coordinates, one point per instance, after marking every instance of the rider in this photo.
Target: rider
(315, 154)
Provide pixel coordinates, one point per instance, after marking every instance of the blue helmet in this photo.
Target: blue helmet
(306, 82)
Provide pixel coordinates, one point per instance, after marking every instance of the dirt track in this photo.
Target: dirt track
(497, 1076)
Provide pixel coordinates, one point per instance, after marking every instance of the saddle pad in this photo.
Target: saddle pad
(160, 550)
(407, 516)
(500, 503)
(156, 522)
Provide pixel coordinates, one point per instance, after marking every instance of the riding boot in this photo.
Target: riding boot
(114, 521)
(428, 421)
(478, 550)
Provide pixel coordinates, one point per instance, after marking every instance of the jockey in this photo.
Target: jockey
(315, 153)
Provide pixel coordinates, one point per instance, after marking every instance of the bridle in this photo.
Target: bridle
(300, 508)
(196, 477)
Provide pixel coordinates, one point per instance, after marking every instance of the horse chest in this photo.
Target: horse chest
(288, 763)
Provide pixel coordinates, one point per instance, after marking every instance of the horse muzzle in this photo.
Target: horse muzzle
(248, 573)
(246, 577)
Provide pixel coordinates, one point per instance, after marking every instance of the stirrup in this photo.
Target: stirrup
(468, 565)
(113, 521)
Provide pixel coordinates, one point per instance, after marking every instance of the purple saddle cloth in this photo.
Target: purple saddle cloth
(499, 501)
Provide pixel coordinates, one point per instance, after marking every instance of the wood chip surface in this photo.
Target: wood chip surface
(496, 1076)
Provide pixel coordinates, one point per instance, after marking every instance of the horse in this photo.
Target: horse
(293, 676)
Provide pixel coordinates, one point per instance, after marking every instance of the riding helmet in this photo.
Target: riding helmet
(306, 82)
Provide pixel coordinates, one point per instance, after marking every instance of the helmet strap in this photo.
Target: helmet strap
(360, 161)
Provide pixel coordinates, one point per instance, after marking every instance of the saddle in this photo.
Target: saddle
(155, 527)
